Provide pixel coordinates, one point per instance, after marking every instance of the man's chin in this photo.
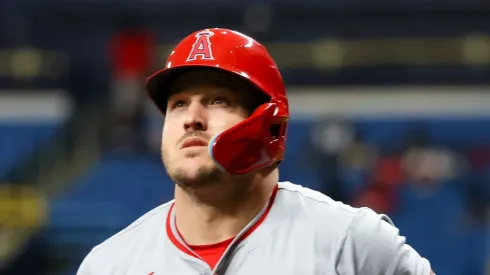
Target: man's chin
(195, 152)
(196, 176)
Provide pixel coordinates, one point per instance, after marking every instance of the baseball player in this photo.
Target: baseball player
(226, 115)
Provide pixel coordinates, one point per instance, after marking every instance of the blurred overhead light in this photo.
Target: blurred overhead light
(257, 17)
(476, 50)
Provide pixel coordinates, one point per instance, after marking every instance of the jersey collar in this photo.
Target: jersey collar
(179, 242)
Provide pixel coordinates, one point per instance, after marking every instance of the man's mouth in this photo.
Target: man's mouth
(194, 142)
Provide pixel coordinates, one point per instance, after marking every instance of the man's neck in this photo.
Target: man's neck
(219, 212)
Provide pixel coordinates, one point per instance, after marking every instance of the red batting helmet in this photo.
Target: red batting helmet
(257, 141)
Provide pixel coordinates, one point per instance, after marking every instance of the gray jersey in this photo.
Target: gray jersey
(305, 232)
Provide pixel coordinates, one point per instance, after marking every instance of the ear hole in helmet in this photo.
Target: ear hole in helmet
(275, 130)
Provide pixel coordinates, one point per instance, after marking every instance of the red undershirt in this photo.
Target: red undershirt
(212, 253)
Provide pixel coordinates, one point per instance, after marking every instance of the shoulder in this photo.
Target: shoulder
(315, 213)
(359, 235)
(142, 230)
(322, 213)
(324, 209)
(316, 204)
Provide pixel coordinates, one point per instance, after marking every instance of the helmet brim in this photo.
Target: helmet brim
(159, 84)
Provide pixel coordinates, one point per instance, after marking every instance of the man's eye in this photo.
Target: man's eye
(178, 104)
(218, 101)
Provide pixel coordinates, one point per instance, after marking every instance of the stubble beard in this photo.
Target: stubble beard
(205, 176)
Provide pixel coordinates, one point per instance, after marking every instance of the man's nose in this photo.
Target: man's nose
(196, 119)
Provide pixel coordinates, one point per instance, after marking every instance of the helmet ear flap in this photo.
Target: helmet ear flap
(249, 145)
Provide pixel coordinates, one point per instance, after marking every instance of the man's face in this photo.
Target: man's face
(194, 115)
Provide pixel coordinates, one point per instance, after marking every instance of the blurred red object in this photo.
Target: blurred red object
(388, 170)
(130, 51)
(379, 196)
(479, 157)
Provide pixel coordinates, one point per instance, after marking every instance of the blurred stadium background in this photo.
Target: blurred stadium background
(390, 102)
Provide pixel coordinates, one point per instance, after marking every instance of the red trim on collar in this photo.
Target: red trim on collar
(184, 249)
(172, 237)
